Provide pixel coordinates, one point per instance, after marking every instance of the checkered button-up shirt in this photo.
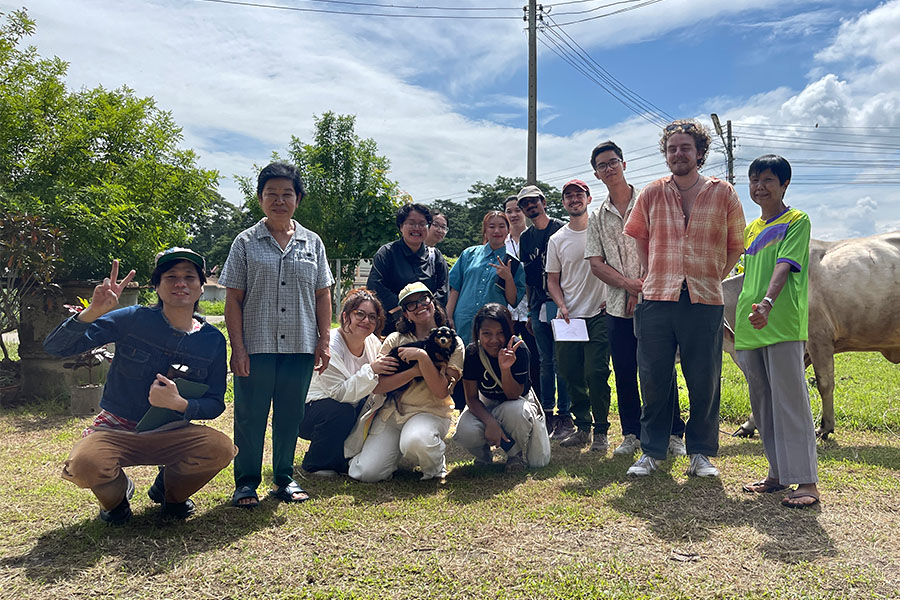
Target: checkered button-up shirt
(695, 253)
(279, 288)
(606, 239)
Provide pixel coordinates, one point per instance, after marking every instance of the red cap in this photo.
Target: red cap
(584, 187)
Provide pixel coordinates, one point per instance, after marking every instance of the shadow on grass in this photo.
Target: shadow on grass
(148, 544)
(887, 457)
(40, 416)
(683, 512)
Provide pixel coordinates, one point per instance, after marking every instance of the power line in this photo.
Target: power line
(609, 14)
(417, 7)
(590, 10)
(356, 13)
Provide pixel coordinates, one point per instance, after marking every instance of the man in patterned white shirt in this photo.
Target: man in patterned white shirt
(614, 260)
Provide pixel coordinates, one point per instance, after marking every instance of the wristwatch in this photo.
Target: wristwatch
(770, 301)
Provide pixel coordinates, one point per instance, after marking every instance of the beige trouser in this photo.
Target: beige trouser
(192, 456)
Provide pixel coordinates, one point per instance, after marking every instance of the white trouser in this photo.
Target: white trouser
(522, 421)
(420, 439)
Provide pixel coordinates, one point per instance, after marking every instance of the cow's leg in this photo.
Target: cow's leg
(749, 426)
(746, 429)
(822, 355)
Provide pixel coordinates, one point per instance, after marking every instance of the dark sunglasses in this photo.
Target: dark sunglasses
(414, 304)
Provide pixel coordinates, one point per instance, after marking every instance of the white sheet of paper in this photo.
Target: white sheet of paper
(573, 331)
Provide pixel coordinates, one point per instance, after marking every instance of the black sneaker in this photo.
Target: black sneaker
(121, 514)
(179, 510)
(157, 491)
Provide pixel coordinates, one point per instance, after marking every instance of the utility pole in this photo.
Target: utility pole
(729, 145)
(531, 15)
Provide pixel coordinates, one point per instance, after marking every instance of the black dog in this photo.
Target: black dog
(440, 345)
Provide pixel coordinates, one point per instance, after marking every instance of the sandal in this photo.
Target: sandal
(795, 495)
(245, 491)
(286, 493)
(763, 486)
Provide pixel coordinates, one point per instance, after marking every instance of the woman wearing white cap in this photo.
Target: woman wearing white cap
(414, 422)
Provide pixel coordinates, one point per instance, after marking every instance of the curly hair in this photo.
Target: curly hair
(694, 129)
(356, 297)
(405, 326)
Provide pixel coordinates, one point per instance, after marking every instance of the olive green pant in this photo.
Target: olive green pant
(584, 366)
(280, 381)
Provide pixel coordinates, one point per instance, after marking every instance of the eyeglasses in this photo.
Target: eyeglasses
(439, 227)
(363, 315)
(612, 163)
(688, 126)
(415, 224)
(414, 304)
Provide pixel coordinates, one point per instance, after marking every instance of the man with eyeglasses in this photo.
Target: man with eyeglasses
(614, 260)
(689, 234)
(541, 309)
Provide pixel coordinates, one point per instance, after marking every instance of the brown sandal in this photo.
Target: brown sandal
(763, 486)
(795, 495)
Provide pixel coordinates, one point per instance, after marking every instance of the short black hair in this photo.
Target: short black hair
(281, 170)
(494, 312)
(603, 147)
(158, 272)
(409, 207)
(777, 164)
(510, 198)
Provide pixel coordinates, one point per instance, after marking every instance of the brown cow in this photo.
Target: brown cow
(854, 306)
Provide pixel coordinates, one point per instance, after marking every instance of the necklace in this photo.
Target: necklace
(690, 186)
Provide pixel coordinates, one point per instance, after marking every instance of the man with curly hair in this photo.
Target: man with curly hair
(689, 234)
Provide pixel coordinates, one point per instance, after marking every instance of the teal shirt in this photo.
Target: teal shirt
(476, 281)
(784, 238)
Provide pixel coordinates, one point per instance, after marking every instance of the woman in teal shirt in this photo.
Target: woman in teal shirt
(484, 274)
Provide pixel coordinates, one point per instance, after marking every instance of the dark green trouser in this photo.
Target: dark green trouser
(584, 366)
(279, 380)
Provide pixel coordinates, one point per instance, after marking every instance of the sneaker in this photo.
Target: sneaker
(579, 439)
(601, 443)
(179, 510)
(676, 446)
(515, 464)
(323, 473)
(551, 421)
(701, 467)
(564, 428)
(121, 514)
(629, 446)
(643, 467)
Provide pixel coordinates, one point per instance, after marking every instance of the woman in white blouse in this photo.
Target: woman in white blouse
(336, 396)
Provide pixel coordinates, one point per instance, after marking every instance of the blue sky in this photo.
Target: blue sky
(445, 99)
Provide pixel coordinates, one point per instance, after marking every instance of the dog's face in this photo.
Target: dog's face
(444, 337)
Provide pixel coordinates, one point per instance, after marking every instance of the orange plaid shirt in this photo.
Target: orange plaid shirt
(695, 253)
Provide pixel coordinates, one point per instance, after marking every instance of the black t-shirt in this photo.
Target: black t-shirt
(473, 370)
(533, 254)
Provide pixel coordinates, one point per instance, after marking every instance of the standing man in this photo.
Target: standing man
(519, 313)
(584, 366)
(614, 259)
(689, 233)
(541, 309)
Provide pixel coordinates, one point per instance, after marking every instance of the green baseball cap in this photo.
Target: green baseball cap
(176, 253)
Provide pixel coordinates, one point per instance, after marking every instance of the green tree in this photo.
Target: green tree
(351, 203)
(215, 228)
(103, 165)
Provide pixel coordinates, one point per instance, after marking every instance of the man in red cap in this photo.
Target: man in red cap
(578, 294)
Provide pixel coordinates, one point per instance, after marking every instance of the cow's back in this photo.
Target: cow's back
(854, 292)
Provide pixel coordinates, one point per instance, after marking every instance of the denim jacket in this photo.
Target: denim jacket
(146, 345)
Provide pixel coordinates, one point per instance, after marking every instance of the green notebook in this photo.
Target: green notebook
(157, 416)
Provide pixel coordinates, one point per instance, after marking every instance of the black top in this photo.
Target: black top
(395, 265)
(473, 370)
(533, 254)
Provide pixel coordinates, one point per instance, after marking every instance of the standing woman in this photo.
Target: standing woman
(499, 410)
(408, 260)
(412, 423)
(438, 230)
(337, 394)
(278, 314)
(484, 274)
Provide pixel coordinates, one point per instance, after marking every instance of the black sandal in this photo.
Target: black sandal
(286, 493)
(245, 491)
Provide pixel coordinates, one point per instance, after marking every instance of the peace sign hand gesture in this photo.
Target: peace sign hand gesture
(507, 356)
(106, 295)
(503, 269)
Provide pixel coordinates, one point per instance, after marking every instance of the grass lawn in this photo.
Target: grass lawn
(575, 529)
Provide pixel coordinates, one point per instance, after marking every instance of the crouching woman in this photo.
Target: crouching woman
(153, 344)
(500, 410)
(337, 395)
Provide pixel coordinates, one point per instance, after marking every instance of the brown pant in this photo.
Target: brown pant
(192, 456)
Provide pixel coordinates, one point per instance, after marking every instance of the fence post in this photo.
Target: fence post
(337, 287)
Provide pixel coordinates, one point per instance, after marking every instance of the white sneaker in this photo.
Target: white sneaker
(644, 466)
(629, 446)
(676, 446)
(701, 467)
